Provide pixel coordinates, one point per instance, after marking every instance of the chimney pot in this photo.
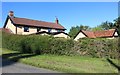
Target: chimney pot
(11, 14)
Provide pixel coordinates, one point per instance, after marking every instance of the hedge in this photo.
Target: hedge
(38, 44)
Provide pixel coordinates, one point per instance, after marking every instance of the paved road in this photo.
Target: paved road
(15, 67)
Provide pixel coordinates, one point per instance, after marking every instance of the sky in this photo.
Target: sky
(69, 13)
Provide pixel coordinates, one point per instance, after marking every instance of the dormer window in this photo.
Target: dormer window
(26, 29)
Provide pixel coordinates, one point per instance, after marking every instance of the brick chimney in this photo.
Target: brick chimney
(11, 14)
(57, 21)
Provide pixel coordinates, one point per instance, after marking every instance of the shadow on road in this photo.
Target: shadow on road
(11, 58)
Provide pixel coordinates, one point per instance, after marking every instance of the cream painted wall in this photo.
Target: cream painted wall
(80, 35)
(53, 30)
(19, 30)
(31, 31)
(116, 34)
(11, 26)
(44, 30)
(61, 35)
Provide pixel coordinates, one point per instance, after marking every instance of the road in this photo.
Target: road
(16, 67)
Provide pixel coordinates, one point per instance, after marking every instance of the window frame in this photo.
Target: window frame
(38, 29)
(49, 30)
(26, 29)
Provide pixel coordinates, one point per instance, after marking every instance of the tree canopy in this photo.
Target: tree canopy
(103, 26)
(75, 29)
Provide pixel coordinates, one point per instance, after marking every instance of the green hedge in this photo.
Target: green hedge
(37, 44)
(99, 47)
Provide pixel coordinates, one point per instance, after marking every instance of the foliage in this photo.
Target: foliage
(76, 29)
(36, 44)
(98, 28)
(99, 47)
(107, 25)
(117, 24)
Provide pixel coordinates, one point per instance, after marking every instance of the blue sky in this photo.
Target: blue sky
(69, 13)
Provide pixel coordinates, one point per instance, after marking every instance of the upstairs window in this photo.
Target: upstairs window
(26, 29)
(38, 29)
(49, 30)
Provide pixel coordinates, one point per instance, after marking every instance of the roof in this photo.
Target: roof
(95, 34)
(55, 33)
(35, 23)
(5, 30)
(89, 34)
(105, 33)
(50, 33)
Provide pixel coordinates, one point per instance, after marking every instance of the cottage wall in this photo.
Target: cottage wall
(10, 26)
(61, 35)
(80, 35)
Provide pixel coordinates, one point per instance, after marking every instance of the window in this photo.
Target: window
(38, 29)
(49, 30)
(58, 30)
(26, 29)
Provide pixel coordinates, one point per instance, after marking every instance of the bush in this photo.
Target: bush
(37, 44)
(99, 47)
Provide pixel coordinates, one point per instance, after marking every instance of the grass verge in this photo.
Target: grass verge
(67, 64)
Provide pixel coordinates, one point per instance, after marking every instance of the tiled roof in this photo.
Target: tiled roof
(105, 33)
(5, 30)
(89, 34)
(30, 22)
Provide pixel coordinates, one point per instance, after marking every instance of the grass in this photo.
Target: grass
(67, 64)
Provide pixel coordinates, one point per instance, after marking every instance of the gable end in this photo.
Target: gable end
(7, 21)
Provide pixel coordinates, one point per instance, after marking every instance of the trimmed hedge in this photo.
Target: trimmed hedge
(99, 47)
(37, 44)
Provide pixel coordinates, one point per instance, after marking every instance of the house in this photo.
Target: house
(54, 34)
(110, 34)
(24, 26)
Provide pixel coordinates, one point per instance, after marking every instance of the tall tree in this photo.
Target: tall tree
(117, 24)
(107, 25)
(97, 28)
(76, 29)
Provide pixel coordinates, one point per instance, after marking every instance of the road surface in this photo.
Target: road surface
(16, 67)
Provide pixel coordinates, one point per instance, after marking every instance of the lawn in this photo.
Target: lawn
(67, 64)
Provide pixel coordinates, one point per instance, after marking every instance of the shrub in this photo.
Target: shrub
(99, 47)
(38, 44)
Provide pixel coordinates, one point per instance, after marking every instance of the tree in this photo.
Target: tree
(84, 27)
(98, 28)
(117, 24)
(76, 29)
(107, 25)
